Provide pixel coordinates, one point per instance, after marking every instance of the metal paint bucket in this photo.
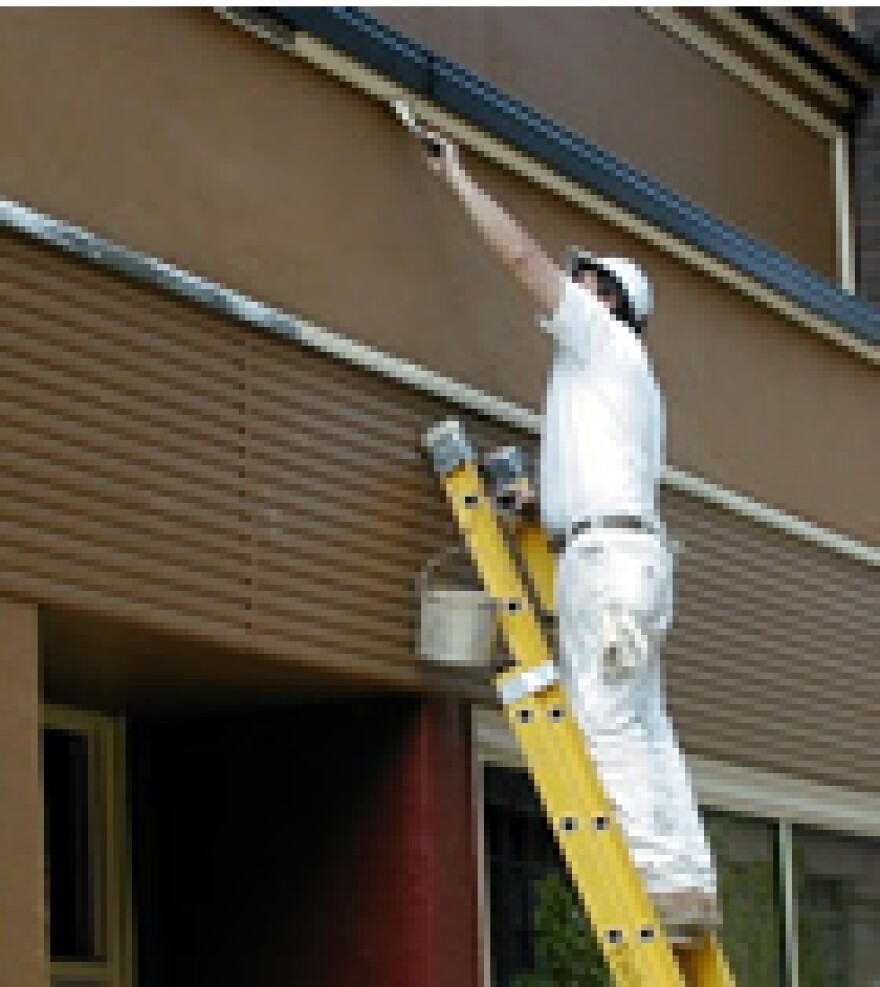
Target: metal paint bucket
(456, 626)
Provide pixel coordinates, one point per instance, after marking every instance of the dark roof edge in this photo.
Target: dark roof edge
(448, 84)
(848, 41)
(808, 54)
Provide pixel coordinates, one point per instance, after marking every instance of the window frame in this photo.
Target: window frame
(837, 136)
(105, 737)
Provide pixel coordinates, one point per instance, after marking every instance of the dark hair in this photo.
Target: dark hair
(609, 282)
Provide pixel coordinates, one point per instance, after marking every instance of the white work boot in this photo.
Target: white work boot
(687, 916)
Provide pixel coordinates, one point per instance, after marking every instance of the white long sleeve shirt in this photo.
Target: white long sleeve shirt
(602, 438)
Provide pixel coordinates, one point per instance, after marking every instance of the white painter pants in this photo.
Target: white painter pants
(614, 600)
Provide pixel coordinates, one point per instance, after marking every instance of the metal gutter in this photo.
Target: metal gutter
(462, 92)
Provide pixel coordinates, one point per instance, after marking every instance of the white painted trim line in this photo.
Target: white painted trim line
(757, 511)
(484, 919)
(785, 841)
(759, 792)
(166, 276)
(843, 212)
(731, 787)
(340, 66)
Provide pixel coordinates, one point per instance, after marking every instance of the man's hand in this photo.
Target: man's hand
(528, 262)
(441, 155)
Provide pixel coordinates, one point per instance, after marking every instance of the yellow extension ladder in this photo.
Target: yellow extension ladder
(616, 902)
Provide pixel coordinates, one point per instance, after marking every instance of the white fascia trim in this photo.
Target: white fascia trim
(166, 276)
(843, 207)
(731, 787)
(759, 792)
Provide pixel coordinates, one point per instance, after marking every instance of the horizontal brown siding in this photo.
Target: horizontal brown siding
(648, 97)
(166, 465)
(773, 659)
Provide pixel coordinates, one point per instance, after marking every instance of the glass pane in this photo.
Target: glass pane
(748, 874)
(70, 864)
(837, 881)
(536, 921)
(519, 851)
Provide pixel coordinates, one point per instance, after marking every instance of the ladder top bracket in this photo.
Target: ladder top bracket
(448, 446)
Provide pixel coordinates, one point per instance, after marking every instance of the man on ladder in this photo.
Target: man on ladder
(602, 449)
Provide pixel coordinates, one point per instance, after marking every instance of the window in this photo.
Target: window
(520, 850)
(72, 888)
(801, 906)
(837, 890)
(86, 909)
(747, 857)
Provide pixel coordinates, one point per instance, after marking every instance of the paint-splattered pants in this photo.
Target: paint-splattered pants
(614, 601)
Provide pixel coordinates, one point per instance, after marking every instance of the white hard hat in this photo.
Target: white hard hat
(630, 277)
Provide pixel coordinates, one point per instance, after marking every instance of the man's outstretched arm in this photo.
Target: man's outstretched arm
(528, 262)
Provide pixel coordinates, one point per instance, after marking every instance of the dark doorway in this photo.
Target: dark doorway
(261, 843)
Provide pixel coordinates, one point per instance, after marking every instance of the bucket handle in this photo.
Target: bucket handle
(433, 564)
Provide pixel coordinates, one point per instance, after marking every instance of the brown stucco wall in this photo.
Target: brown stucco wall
(648, 97)
(242, 164)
